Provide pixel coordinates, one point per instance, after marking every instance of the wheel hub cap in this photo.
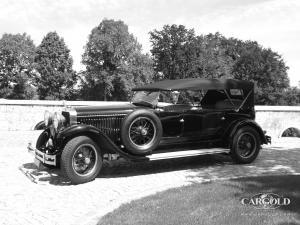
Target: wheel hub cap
(87, 160)
(144, 132)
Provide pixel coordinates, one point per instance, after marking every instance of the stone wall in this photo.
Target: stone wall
(25, 114)
(276, 119)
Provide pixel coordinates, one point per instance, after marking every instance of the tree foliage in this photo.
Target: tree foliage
(56, 78)
(171, 51)
(179, 53)
(290, 96)
(262, 66)
(114, 62)
(16, 66)
(210, 58)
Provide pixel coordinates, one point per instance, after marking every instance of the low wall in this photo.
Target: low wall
(25, 114)
(276, 119)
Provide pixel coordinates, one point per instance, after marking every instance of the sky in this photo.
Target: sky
(274, 24)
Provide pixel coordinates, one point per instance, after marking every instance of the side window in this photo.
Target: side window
(189, 97)
(212, 97)
(236, 93)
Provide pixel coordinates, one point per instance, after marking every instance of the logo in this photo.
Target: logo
(266, 201)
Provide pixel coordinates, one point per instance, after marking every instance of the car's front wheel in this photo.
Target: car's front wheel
(245, 145)
(81, 160)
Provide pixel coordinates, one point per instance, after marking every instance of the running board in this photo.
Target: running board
(186, 153)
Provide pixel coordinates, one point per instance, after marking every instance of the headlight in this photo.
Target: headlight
(55, 120)
(58, 120)
(47, 118)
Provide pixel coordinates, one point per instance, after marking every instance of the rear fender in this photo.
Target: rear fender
(238, 124)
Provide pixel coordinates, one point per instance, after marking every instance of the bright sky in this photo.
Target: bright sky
(273, 23)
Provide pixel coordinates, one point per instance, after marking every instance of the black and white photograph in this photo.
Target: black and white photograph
(139, 112)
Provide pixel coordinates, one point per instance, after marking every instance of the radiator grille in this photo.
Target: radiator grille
(108, 124)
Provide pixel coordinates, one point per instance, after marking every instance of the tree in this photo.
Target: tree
(290, 96)
(178, 54)
(114, 62)
(211, 60)
(264, 67)
(16, 66)
(172, 52)
(56, 78)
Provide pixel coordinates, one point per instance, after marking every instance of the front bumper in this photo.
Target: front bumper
(45, 158)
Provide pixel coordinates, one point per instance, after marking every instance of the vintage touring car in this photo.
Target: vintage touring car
(166, 119)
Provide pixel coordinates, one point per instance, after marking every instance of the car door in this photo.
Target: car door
(193, 123)
(213, 122)
(172, 121)
(202, 124)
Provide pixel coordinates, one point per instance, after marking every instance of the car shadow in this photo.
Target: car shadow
(124, 168)
(206, 167)
(269, 162)
(43, 175)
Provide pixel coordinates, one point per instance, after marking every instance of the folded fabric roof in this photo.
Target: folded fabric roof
(196, 84)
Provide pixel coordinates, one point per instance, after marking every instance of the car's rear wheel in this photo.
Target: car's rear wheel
(245, 145)
(81, 160)
(141, 132)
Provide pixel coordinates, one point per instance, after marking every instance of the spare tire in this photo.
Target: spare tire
(141, 132)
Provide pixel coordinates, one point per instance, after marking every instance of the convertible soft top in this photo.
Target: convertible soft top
(196, 84)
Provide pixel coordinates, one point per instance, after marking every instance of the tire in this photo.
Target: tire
(245, 145)
(81, 160)
(141, 132)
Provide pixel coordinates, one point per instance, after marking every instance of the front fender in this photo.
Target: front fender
(85, 130)
(238, 124)
(105, 143)
(78, 129)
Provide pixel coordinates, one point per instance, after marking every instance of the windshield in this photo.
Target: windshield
(145, 98)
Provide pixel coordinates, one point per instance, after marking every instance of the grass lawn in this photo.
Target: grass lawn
(218, 202)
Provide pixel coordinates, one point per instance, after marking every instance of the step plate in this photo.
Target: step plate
(187, 153)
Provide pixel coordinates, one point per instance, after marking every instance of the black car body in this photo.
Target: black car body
(167, 119)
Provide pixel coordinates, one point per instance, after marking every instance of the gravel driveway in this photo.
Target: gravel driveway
(31, 196)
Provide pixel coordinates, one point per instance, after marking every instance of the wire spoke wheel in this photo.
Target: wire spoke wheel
(246, 144)
(142, 132)
(84, 160)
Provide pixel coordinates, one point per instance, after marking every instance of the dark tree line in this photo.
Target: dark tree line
(115, 63)
(179, 53)
(30, 72)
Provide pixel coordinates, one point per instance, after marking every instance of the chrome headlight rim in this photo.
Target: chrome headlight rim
(55, 120)
(58, 120)
(47, 118)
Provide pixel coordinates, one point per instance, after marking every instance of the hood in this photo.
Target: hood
(106, 108)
